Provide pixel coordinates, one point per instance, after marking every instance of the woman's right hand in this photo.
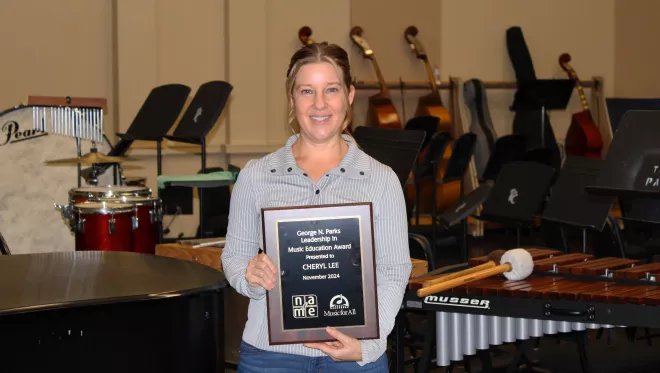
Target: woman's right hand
(261, 272)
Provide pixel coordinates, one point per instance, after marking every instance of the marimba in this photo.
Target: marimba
(566, 293)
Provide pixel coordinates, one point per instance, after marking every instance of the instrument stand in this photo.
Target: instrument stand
(197, 121)
(570, 205)
(544, 95)
(518, 195)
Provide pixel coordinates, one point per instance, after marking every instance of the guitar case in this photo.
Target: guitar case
(481, 124)
(528, 122)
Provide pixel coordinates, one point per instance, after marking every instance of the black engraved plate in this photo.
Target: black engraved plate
(326, 272)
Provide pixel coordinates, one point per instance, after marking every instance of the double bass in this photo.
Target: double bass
(304, 34)
(431, 104)
(381, 111)
(583, 138)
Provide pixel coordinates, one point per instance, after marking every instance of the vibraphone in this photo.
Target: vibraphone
(565, 293)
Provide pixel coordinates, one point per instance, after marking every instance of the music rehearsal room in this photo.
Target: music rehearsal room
(298, 186)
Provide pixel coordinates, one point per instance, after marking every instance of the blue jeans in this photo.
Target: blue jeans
(255, 360)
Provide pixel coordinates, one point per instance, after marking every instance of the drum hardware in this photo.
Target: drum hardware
(89, 159)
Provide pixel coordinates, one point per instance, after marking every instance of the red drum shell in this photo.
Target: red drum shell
(149, 216)
(92, 221)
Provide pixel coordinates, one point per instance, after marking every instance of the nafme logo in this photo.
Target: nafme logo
(512, 196)
(457, 302)
(305, 306)
(339, 302)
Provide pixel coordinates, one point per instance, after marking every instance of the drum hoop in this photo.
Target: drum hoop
(109, 192)
(117, 208)
(147, 201)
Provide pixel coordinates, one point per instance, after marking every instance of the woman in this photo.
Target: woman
(318, 165)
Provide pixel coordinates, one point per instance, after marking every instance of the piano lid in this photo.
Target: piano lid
(33, 282)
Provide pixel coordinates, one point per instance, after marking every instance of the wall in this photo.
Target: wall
(120, 49)
(473, 38)
(637, 58)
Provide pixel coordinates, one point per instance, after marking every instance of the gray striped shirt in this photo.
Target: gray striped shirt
(276, 181)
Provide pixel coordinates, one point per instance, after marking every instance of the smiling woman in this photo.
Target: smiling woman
(319, 165)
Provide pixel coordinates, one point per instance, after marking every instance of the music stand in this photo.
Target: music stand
(544, 95)
(197, 121)
(571, 205)
(632, 165)
(392, 147)
(470, 203)
(518, 195)
(508, 148)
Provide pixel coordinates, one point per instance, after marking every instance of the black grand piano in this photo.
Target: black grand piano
(109, 312)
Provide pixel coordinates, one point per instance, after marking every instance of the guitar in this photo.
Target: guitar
(430, 104)
(304, 35)
(381, 111)
(583, 137)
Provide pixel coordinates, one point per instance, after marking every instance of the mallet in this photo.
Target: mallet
(493, 259)
(515, 264)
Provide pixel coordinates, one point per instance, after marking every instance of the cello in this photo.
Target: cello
(583, 138)
(381, 111)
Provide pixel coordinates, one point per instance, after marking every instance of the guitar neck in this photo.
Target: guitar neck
(379, 75)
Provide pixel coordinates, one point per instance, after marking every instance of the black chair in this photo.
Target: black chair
(157, 115)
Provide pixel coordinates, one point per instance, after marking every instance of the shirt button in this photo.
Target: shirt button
(342, 170)
(318, 191)
(305, 174)
(273, 170)
(289, 169)
(361, 172)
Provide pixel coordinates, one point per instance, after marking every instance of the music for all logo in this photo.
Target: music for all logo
(339, 306)
(11, 133)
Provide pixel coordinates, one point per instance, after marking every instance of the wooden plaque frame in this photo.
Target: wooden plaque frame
(364, 211)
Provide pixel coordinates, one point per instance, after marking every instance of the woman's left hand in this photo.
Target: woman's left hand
(345, 348)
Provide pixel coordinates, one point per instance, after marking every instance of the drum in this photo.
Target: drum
(148, 217)
(96, 193)
(103, 226)
(30, 187)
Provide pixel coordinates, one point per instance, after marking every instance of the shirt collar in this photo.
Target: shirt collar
(355, 163)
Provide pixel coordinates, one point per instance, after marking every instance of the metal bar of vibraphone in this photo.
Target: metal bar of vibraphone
(462, 335)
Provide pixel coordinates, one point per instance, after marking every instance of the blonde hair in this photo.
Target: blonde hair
(317, 53)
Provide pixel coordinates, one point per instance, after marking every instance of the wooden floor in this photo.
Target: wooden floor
(616, 357)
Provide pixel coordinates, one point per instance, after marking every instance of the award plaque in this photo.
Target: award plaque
(326, 272)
